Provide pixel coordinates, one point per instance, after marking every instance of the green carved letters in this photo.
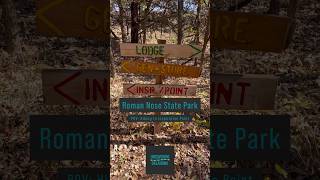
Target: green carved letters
(150, 50)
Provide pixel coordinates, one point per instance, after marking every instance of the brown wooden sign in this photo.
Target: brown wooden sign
(160, 50)
(244, 92)
(248, 31)
(156, 89)
(74, 18)
(147, 68)
(75, 87)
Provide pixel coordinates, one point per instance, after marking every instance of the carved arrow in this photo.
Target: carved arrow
(62, 83)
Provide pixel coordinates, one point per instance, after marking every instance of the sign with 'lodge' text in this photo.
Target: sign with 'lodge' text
(69, 137)
(158, 89)
(160, 50)
(249, 137)
(243, 92)
(146, 68)
(76, 87)
(248, 31)
(74, 18)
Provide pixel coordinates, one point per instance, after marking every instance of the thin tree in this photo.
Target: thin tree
(135, 6)
(274, 7)
(8, 21)
(180, 21)
(198, 22)
(121, 20)
(145, 19)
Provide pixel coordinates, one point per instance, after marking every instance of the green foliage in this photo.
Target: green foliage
(281, 170)
(298, 103)
(176, 126)
(201, 122)
(217, 164)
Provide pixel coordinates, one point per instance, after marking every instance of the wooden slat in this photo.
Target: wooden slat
(157, 89)
(147, 68)
(244, 92)
(160, 50)
(73, 18)
(248, 31)
(75, 87)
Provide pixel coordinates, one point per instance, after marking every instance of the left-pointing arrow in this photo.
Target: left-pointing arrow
(129, 89)
(62, 83)
(124, 66)
(45, 20)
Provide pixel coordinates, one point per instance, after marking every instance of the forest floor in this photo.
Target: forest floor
(298, 95)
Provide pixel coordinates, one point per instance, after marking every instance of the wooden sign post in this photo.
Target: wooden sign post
(159, 78)
(160, 70)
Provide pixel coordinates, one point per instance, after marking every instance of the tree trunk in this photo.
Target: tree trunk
(121, 21)
(145, 20)
(198, 23)
(180, 21)
(291, 13)
(274, 7)
(128, 26)
(135, 22)
(205, 40)
(9, 23)
(239, 5)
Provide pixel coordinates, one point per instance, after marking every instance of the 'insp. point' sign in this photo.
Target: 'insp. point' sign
(157, 89)
(76, 87)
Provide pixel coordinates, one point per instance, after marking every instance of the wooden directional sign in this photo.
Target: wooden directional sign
(75, 87)
(155, 90)
(243, 92)
(248, 31)
(159, 69)
(160, 50)
(74, 18)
